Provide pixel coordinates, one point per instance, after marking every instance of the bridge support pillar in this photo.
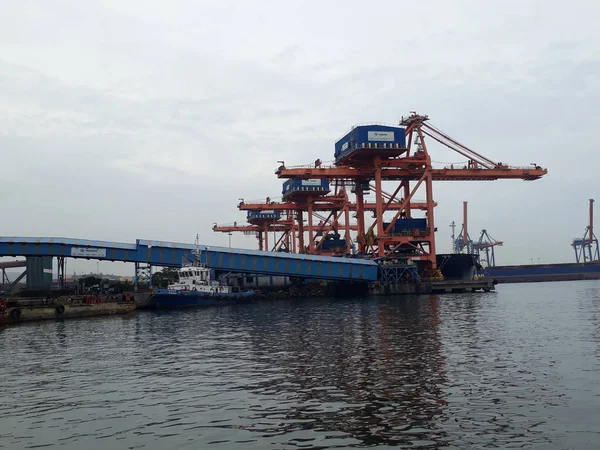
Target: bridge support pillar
(142, 276)
(61, 272)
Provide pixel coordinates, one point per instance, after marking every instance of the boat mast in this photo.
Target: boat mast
(197, 251)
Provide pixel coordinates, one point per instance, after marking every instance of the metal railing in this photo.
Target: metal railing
(323, 165)
(263, 200)
(465, 165)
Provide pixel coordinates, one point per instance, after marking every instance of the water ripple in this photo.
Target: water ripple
(512, 369)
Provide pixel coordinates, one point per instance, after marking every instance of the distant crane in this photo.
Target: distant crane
(464, 244)
(486, 244)
(586, 249)
(368, 159)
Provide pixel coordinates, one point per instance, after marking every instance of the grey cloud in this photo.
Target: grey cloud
(150, 106)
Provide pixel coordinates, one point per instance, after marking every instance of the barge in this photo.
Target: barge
(18, 310)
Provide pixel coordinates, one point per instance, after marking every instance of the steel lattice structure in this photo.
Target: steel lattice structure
(586, 248)
(361, 169)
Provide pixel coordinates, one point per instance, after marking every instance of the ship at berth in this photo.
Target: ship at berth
(196, 288)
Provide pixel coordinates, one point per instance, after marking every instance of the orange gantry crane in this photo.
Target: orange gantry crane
(260, 223)
(392, 224)
(272, 217)
(325, 223)
(377, 153)
(322, 216)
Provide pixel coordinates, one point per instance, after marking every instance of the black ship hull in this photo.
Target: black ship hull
(457, 266)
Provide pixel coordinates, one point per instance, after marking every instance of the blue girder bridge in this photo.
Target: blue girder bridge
(158, 253)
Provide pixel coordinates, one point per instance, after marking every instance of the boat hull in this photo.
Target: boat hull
(544, 272)
(163, 299)
(457, 266)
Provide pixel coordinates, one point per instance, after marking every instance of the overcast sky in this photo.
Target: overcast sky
(149, 119)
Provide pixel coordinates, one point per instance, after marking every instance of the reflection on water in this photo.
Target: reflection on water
(367, 372)
(512, 369)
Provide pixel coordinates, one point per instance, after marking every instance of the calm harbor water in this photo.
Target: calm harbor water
(518, 368)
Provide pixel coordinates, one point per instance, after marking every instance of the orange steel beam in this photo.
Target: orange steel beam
(300, 231)
(446, 174)
(378, 198)
(294, 233)
(266, 235)
(323, 206)
(257, 228)
(309, 213)
(431, 221)
(347, 229)
(241, 228)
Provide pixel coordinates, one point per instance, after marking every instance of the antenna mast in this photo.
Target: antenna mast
(453, 226)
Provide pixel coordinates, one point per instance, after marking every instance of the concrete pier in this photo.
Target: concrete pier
(35, 310)
(399, 288)
(431, 287)
(457, 286)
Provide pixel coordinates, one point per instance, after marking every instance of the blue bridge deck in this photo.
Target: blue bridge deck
(158, 253)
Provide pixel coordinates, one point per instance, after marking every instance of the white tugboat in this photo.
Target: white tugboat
(196, 288)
